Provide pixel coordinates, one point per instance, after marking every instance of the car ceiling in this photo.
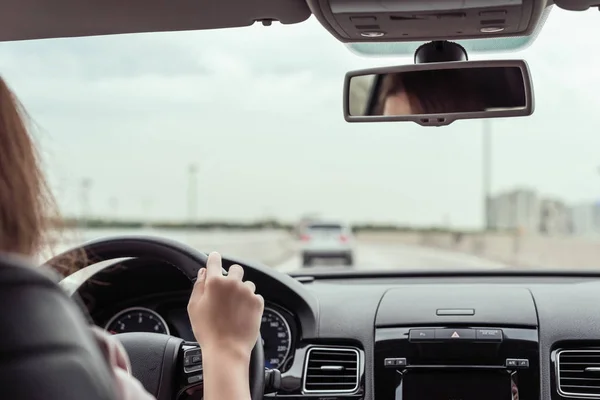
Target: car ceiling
(39, 19)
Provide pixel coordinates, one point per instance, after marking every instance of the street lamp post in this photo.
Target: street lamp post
(487, 173)
(596, 213)
(192, 193)
(86, 185)
(146, 207)
(113, 202)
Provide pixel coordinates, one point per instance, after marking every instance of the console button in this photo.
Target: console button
(395, 362)
(512, 362)
(523, 363)
(455, 334)
(421, 334)
(489, 335)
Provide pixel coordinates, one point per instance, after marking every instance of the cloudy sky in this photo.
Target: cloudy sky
(259, 111)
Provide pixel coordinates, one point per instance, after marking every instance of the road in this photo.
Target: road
(277, 249)
(407, 257)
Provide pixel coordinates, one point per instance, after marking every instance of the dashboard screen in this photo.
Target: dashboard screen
(457, 385)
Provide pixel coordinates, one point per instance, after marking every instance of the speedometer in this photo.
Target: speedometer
(277, 338)
(137, 319)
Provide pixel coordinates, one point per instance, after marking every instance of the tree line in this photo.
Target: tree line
(77, 223)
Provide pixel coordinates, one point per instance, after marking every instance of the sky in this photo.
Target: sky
(259, 111)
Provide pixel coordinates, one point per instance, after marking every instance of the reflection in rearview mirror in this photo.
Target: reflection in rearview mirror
(437, 91)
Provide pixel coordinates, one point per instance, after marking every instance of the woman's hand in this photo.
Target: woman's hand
(225, 315)
(225, 312)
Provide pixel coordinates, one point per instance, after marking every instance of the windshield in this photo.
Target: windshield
(234, 140)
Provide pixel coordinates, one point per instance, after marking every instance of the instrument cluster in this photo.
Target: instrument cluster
(277, 328)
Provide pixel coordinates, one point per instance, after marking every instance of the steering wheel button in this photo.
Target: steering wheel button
(195, 378)
(196, 359)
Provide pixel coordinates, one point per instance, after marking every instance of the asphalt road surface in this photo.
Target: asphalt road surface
(395, 257)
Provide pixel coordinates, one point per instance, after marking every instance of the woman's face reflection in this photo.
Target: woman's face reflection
(397, 104)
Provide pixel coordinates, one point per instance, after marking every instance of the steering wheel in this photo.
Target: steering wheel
(167, 366)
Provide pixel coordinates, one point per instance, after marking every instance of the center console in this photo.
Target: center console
(456, 363)
(457, 343)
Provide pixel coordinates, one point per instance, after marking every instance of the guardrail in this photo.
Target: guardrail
(528, 251)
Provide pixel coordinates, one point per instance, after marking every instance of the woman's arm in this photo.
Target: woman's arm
(226, 376)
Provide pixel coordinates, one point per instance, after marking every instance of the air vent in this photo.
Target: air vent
(331, 370)
(578, 373)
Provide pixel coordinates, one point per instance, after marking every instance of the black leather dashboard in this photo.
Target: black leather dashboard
(563, 307)
(349, 310)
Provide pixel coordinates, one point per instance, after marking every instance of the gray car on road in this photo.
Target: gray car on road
(327, 240)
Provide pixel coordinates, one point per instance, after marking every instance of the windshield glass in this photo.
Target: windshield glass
(234, 140)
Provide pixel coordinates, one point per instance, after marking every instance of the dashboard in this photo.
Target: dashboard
(365, 336)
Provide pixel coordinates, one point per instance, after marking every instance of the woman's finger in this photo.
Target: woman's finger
(261, 301)
(214, 266)
(200, 281)
(251, 285)
(235, 272)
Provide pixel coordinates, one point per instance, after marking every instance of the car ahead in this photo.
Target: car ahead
(331, 240)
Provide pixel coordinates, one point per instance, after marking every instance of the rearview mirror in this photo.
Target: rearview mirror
(436, 94)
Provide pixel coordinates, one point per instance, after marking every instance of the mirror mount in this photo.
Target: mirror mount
(440, 51)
